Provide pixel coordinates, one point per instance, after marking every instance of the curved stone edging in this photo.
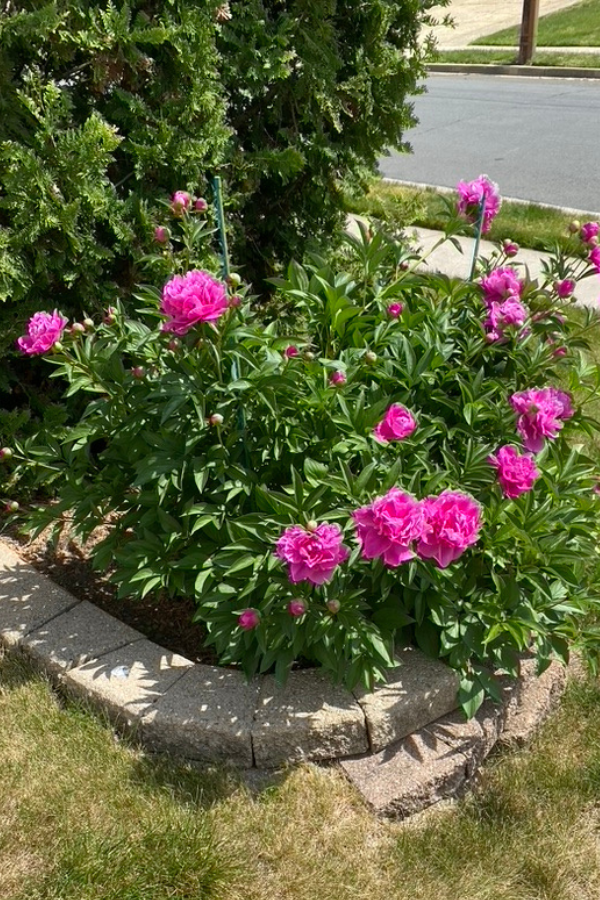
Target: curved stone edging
(404, 746)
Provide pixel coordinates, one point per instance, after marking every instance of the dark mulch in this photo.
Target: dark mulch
(166, 621)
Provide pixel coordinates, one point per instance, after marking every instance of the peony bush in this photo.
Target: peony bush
(403, 463)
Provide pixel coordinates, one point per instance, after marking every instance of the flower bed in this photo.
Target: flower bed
(395, 468)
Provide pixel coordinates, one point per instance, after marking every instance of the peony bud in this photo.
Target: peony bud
(564, 288)
(12, 506)
(174, 344)
(334, 606)
(312, 525)
(308, 356)
(88, 323)
(111, 316)
(57, 347)
(296, 608)
(394, 310)
(77, 328)
(215, 419)
(161, 235)
(337, 378)
(510, 248)
(574, 226)
(291, 351)
(138, 372)
(5, 453)
(180, 201)
(370, 357)
(235, 301)
(249, 619)
(200, 205)
(234, 280)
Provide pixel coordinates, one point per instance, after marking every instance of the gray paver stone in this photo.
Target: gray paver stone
(76, 636)
(206, 715)
(308, 719)
(475, 737)
(126, 682)
(418, 692)
(27, 598)
(405, 778)
(532, 700)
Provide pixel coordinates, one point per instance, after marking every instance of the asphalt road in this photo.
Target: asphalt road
(538, 138)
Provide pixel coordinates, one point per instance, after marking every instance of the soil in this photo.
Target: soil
(163, 620)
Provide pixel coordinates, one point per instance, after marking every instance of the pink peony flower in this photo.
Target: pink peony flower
(296, 608)
(589, 232)
(503, 315)
(180, 201)
(394, 310)
(291, 351)
(43, 331)
(192, 298)
(470, 196)
(541, 414)
(161, 235)
(337, 378)
(200, 205)
(516, 471)
(501, 284)
(249, 619)
(311, 555)
(451, 523)
(564, 288)
(389, 527)
(397, 424)
(594, 259)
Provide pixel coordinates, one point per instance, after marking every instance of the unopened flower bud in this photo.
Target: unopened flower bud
(138, 372)
(77, 328)
(174, 344)
(215, 419)
(510, 248)
(291, 351)
(334, 606)
(5, 453)
(337, 378)
(200, 205)
(161, 235)
(574, 226)
(296, 608)
(88, 324)
(180, 201)
(249, 619)
(312, 525)
(57, 346)
(564, 288)
(403, 266)
(12, 506)
(394, 310)
(234, 280)
(235, 301)
(370, 357)
(308, 356)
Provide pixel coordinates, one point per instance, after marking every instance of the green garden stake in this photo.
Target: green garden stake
(218, 195)
(479, 228)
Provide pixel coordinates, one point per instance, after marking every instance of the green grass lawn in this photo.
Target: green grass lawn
(577, 26)
(478, 56)
(83, 817)
(401, 206)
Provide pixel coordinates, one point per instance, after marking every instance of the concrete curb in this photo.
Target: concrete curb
(404, 746)
(511, 70)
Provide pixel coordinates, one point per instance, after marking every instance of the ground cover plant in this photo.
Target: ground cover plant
(543, 57)
(86, 818)
(397, 467)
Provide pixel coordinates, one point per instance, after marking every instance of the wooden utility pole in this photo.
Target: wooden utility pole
(529, 22)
